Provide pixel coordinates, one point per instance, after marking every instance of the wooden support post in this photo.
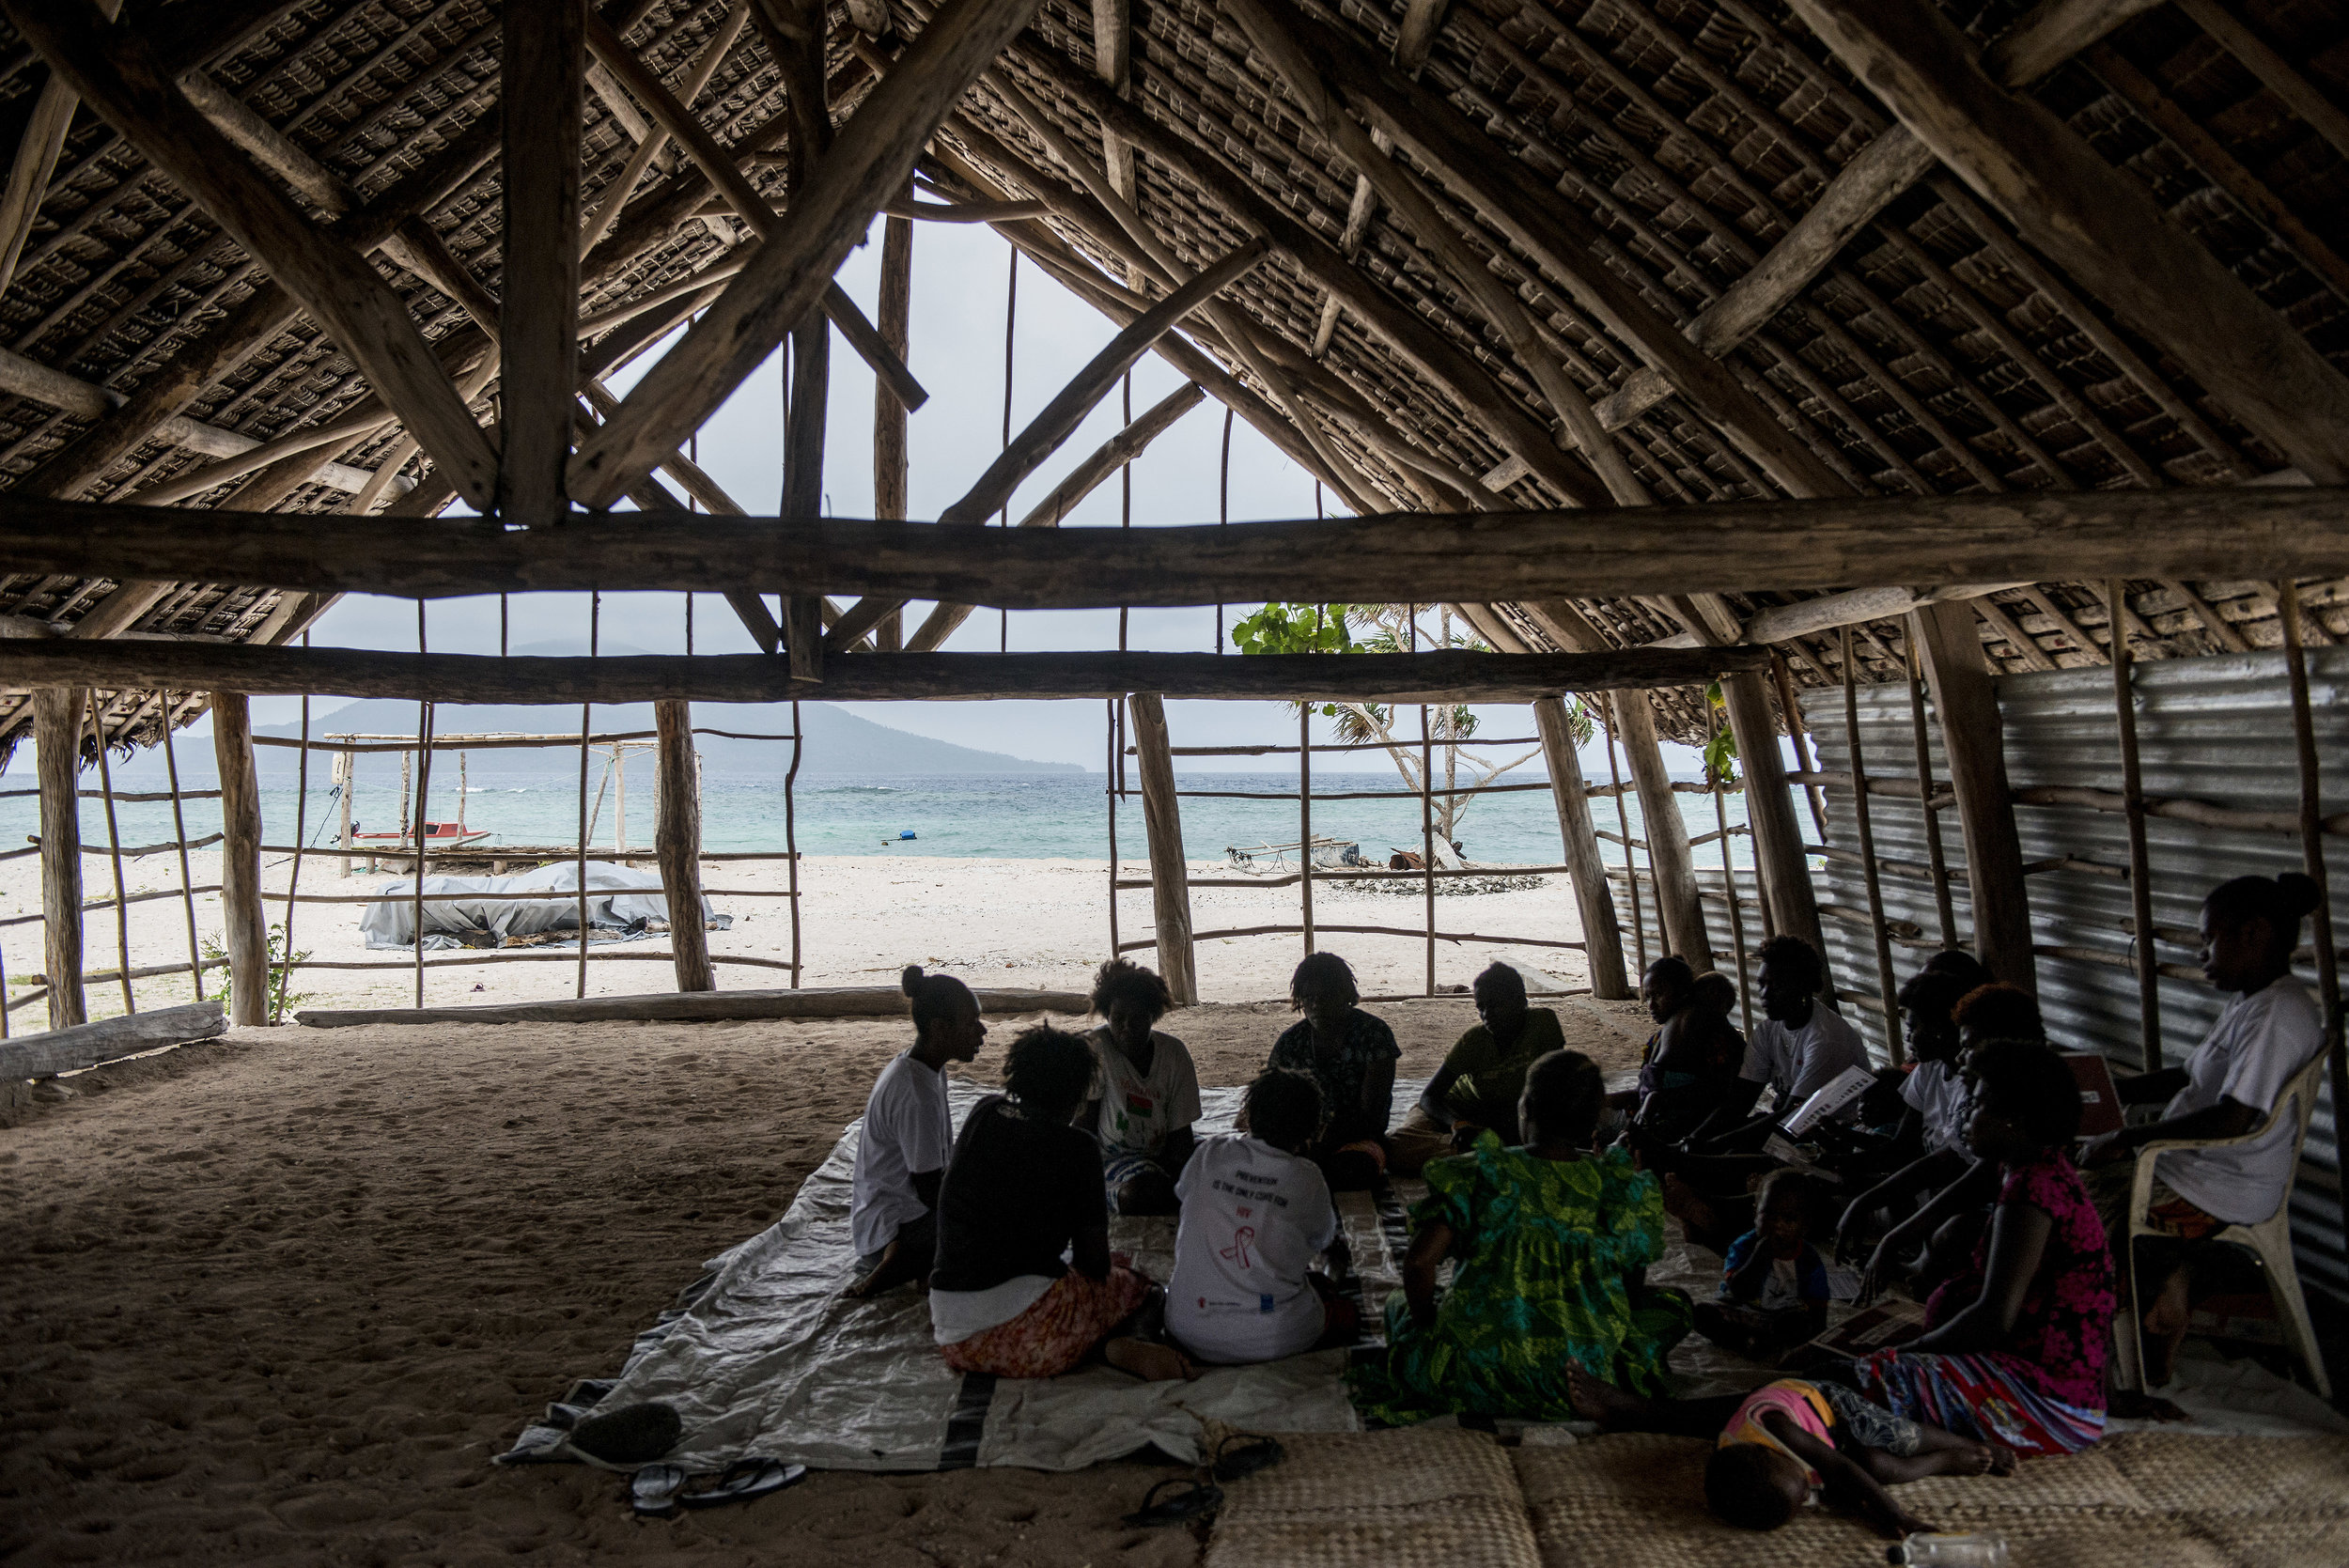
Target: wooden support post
(803, 482)
(890, 459)
(1602, 936)
(1305, 822)
(1783, 870)
(1681, 916)
(2140, 864)
(2312, 858)
(544, 66)
(1169, 873)
(1937, 860)
(57, 735)
(1886, 989)
(791, 272)
(1963, 695)
(1623, 831)
(677, 844)
(242, 913)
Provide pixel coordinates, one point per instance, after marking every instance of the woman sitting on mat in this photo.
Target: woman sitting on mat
(1547, 1241)
(1145, 1093)
(2014, 1344)
(1256, 1211)
(1690, 1067)
(1350, 1055)
(901, 1150)
(1024, 1187)
(1478, 1085)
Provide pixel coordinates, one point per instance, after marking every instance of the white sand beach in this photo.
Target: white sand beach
(1037, 923)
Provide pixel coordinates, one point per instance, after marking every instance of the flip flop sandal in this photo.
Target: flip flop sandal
(1200, 1503)
(653, 1490)
(744, 1480)
(1244, 1453)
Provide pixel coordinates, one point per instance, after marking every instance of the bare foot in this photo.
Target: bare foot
(1603, 1403)
(2002, 1459)
(1152, 1363)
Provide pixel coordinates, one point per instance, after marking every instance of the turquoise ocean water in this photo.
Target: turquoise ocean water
(1016, 817)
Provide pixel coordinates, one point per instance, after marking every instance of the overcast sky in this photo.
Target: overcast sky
(959, 275)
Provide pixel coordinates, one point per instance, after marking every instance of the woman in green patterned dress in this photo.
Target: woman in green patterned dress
(1548, 1241)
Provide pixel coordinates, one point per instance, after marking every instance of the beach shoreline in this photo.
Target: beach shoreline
(1007, 923)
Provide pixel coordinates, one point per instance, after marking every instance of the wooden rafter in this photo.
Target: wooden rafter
(544, 70)
(789, 273)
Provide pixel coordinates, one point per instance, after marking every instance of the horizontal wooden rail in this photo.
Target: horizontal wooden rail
(1353, 794)
(567, 896)
(107, 976)
(1333, 746)
(2201, 812)
(500, 955)
(2192, 532)
(1906, 789)
(503, 743)
(1359, 931)
(1358, 874)
(90, 906)
(1445, 676)
(120, 794)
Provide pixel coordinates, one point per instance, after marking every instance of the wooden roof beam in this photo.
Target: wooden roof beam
(2097, 223)
(120, 79)
(1563, 245)
(1886, 167)
(2194, 532)
(716, 163)
(1446, 676)
(1476, 390)
(792, 270)
(542, 80)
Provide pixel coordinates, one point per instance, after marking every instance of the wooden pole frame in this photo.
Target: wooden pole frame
(1936, 856)
(241, 910)
(57, 721)
(677, 844)
(2313, 856)
(1887, 990)
(1602, 934)
(1170, 872)
(2140, 862)
(1967, 703)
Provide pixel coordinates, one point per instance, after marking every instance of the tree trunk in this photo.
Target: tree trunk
(58, 713)
(678, 845)
(1170, 873)
(1602, 938)
(1785, 875)
(240, 860)
(1971, 740)
(1667, 835)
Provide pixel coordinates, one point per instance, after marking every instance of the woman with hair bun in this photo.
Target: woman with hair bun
(901, 1150)
(2267, 1034)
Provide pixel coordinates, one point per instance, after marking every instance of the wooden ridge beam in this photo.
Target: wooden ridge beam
(118, 76)
(2099, 224)
(790, 272)
(1447, 677)
(1726, 547)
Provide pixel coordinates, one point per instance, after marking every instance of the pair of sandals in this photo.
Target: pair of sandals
(661, 1491)
(1191, 1499)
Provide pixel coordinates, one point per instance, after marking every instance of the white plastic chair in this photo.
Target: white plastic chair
(2269, 1239)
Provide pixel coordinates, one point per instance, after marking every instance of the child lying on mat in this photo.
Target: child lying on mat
(1774, 1287)
(1795, 1442)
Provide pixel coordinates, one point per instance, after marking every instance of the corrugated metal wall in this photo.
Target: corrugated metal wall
(2216, 730)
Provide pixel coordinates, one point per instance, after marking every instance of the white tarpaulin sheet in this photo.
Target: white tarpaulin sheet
(766, 1354)
(617, 901)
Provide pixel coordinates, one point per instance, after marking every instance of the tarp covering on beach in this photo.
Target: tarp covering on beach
(766, 1354)
(620, 901)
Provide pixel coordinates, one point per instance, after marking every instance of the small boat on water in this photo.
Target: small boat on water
(436, 836)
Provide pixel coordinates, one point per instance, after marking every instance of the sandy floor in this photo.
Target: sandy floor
(1005, 923)
(278, 1297)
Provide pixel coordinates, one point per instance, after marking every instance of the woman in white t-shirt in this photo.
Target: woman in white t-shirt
(908, 1136)
(1145, 1091)
(2270, 1032)
(1256, 1211)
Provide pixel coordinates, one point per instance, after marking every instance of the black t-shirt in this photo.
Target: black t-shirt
(1017, 1193)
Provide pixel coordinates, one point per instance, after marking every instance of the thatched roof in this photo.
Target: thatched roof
(1935, 353)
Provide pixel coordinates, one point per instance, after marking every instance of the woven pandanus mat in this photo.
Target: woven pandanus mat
(1445, 1498)
(2140, 1500)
